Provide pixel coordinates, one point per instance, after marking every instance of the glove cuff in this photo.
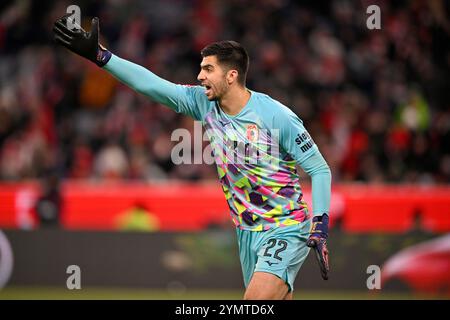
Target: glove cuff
(103, 56)
(319, 226)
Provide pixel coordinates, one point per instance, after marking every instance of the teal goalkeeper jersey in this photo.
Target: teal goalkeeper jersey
(256, 151)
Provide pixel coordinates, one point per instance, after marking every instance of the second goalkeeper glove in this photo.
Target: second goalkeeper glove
(80, 41)
(318, 241)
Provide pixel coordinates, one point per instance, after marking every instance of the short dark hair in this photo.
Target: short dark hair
(230, 54)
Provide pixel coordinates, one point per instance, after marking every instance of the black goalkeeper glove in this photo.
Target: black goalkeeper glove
(318, 241)
(81, 42)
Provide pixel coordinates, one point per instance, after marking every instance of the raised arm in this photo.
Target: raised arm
(146, 82)
(189, 100)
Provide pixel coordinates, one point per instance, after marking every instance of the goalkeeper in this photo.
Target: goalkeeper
(274, 228)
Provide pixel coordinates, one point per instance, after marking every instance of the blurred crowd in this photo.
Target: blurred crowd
(377, 102)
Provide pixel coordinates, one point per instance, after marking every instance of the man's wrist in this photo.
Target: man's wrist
(319, 226)
(320, 214)
(103, 56)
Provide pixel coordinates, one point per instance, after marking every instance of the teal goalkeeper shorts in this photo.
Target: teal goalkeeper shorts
(279, 251)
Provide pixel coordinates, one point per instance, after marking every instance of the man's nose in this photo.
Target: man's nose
(201, 76)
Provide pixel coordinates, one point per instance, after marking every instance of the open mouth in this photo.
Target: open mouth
(207, 89)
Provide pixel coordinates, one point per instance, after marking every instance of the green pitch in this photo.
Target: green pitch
(53, 293)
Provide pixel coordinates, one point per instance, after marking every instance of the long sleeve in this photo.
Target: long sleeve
(320, 174)
(297, 142)
(189, 100)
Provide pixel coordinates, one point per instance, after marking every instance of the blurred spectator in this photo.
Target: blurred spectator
(111, 162)
(49, 204)
(376, 101)
(137, 218)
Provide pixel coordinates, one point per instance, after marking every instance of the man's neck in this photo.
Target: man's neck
(234, 101)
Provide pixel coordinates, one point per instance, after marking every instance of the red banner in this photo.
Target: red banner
(191, 207)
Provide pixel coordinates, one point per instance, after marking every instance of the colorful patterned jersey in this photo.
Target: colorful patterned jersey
(255, 151)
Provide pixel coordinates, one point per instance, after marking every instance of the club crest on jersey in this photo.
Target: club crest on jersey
(252, 132)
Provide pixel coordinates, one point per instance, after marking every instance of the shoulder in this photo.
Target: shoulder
(196, 102)
(273, 112)
(196, 92)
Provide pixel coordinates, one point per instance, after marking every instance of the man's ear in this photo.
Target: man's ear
(232, 76)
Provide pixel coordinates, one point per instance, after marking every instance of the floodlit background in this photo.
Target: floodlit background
(86, 176)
